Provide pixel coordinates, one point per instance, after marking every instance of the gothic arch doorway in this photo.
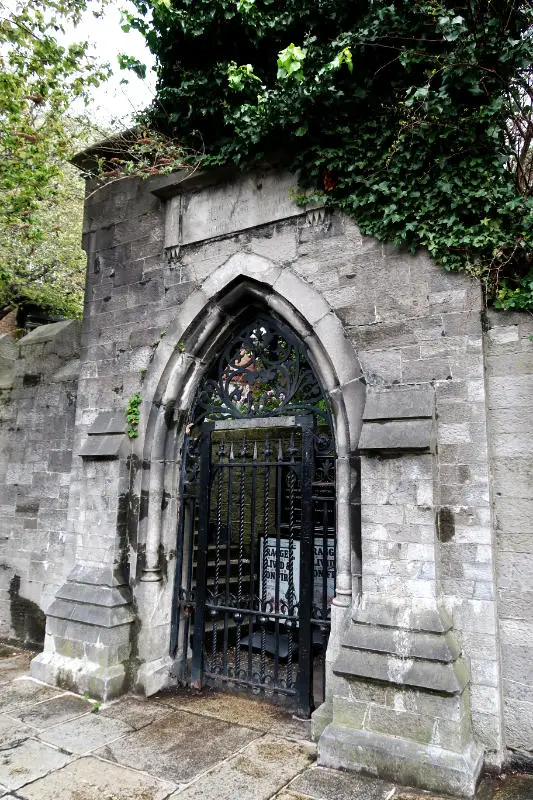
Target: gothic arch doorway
(255, 565)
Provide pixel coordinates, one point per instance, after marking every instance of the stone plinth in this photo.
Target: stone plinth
(405, 711)
(88, 628)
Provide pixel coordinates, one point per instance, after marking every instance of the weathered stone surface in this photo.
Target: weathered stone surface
(178, 747)
(12, 731)
(48, 713)
(328, 784)
(250, 201)
(256, 773)
(14, 667)
(85, 734)
(17, 696)
(93, 779)
(429, 767)
(107, 446)
(412, 644)
(410, 434)
(108, 422)
(256, 714)
(400, 404)
(136, 712)
(23, 762)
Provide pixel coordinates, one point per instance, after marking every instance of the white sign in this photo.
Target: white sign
(321, 559)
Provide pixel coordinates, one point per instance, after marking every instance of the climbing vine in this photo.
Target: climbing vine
(132, 414)
(415, 116)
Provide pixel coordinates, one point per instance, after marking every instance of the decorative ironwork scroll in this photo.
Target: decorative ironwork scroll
(262, 372)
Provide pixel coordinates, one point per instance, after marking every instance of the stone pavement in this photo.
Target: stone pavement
(55, 745)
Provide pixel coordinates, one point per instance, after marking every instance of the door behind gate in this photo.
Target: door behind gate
(259, 565)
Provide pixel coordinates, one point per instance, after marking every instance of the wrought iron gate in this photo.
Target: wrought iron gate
(256, 544)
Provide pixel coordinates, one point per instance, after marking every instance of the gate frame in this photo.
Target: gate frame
(171, 383)
(303, 686)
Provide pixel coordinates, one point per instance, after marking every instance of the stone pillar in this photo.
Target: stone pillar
(400, 707)
(88, 625)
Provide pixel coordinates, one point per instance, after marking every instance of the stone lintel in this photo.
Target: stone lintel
(257, 198)
(402, 643)
(436, 676)
(408, 402)
(397, 435)
(401, 760)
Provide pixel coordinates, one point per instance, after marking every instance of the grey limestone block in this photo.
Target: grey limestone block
(404, 402)
(406, 435)
(405, 761)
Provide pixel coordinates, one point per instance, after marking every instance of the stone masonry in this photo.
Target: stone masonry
(429, 664)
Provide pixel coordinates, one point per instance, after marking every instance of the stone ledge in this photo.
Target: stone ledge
(108, 422)
(397, 435)
(402, 643)
(91, 613)
(97, 575)
(433, 675)
(397, 612)
(107, 446)
(391, 758)
(91, 594)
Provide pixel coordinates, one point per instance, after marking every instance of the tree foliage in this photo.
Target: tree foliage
(48, 270)
(40, 79)
(414, 116)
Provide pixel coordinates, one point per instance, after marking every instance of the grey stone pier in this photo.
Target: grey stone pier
(399, 698)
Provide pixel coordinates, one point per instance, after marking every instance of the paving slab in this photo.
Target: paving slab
(91, 779)
(52, 712)
(85, 734)
(240, 710)
(512, 786)
(24, 692)
(256, 773)
(179, 747)
(14, 666)
(136, 712)
(24, 762)
(330, 784)
(12, 731)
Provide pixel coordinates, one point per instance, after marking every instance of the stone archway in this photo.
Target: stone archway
(179, 364)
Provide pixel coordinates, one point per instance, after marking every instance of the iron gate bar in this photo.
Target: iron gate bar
(201, 566)
(305, 654)
(252, 554)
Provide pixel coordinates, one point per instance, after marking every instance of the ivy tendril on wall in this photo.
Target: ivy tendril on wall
(414, 117)
(132, 414)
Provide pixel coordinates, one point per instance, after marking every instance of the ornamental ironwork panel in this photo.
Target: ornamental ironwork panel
(263, 372)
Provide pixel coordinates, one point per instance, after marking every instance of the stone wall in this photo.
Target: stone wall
(38, 387)
(446, 469)
(509, 379)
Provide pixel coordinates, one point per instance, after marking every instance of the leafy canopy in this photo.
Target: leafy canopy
(40, 79)
(414, 116)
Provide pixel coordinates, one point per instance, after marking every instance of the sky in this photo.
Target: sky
(114, 103)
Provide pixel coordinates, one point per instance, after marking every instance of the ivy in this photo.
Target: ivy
(414, 117)
(133, 414)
